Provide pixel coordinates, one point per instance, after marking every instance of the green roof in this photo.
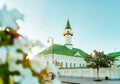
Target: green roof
(63, 50)
(68, 25)
(114, 54)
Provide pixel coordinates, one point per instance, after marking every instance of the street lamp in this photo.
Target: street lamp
(52, 42)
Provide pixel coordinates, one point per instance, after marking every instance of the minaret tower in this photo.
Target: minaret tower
(68, 35)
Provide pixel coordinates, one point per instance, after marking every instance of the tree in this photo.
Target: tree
(98, 60)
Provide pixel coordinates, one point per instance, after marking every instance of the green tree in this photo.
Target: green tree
(98, 60)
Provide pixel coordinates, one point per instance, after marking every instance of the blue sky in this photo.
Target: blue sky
(95, 23)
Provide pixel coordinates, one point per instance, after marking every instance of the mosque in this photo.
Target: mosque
(70, 60)
(66, 55)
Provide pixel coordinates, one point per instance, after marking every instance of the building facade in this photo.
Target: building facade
(71, 62)
(66, 55)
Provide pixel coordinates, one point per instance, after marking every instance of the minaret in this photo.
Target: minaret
(68, 35)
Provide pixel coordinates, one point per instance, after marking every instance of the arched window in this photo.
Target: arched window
(83, 65)
(74, 65)
(61, 64)
(80, 65)
(66, 64)
(70, 64)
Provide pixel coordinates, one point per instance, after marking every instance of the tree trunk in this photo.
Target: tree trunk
(93, 73)
(98, 72)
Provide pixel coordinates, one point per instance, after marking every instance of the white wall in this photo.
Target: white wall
(70, 59)
(89, 72)
(113, 72)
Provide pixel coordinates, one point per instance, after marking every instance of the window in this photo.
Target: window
(66, 64)
(83, 65)
(70, 64)
(80, 65)
(61, 64)
(74, 65)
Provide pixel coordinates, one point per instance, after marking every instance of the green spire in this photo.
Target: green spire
(68, 25)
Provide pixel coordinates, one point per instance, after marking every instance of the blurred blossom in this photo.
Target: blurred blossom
(3, 54)
(13, 55)
(8, 18)
(16, 14)
(38, 63)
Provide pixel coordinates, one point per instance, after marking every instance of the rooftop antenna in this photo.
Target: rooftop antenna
(67, 17)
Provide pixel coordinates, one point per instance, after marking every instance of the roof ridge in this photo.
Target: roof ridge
(63, 50)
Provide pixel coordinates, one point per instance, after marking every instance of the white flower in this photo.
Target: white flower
(18, 79)
(3, 54)
(5, 19)
(38, 63)
(12, 66)
(28, 77)
(16, 14)
(20, 68)
(30, 80)
(26, 72)
(24, 44)
(8, 18)
(13, 54)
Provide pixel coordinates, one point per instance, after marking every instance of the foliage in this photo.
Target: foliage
(4, 73)
(99, 59)
(16, 65)
(7, 36)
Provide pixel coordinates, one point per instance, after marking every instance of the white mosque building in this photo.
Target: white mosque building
(66, 55)
(71, 62)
